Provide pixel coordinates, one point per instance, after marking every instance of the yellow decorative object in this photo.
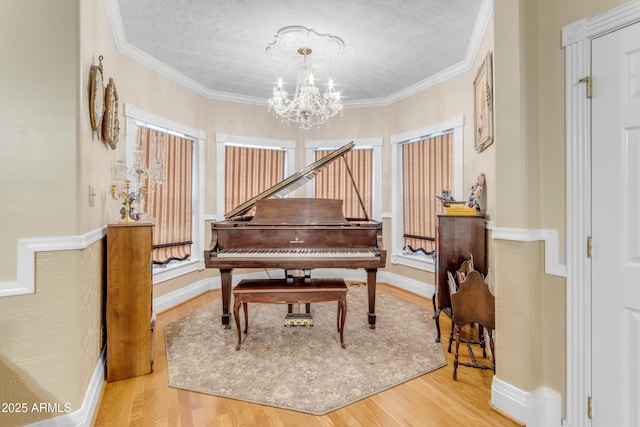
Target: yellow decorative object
(461, 210)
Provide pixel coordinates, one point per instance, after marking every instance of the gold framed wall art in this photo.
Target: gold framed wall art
(96, 96)
(110, 122)
(483, 104)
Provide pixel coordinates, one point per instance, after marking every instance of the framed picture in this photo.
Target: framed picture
(110, 121)
(96, 96)
(483, 104)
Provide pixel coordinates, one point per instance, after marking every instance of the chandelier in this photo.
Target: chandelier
(308, 107)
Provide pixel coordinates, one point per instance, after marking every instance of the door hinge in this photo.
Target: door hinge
(589, 407)
(589, 82)
(589, 247)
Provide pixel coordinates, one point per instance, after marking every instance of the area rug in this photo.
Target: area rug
(303, 368)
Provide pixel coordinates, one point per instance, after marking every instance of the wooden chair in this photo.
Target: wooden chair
(464, 269)
(473, 303)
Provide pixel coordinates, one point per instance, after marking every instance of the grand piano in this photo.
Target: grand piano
(270, 231)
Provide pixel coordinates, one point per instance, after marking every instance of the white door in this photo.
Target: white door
(615, 287)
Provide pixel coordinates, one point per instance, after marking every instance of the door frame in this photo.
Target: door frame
(576, 41)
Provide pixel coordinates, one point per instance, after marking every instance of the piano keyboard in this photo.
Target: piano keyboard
(299, 253)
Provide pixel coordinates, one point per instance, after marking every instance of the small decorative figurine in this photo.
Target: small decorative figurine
(476, 190)
(446, 195)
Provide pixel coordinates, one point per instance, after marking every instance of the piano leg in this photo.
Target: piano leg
(371, 289)
(225, 278)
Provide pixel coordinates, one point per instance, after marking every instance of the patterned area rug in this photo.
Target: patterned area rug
(303, 368)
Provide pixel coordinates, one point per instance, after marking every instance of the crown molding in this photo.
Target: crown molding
(122, 46)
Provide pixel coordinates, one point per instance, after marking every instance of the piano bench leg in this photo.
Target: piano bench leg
(342, 315)
(246, 317)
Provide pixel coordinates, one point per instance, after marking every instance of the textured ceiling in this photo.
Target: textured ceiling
(393, 48)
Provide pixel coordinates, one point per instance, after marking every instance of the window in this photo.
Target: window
(246, 166)
(425, 161)
(365, 165)
(335, 181)
(427, 169)
(169, 202)
(176, 204)
(250, 171)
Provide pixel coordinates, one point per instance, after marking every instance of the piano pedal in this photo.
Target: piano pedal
(356, 283)
(298, 319)
(293, 275)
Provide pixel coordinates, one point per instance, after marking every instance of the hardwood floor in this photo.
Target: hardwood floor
(433, 399)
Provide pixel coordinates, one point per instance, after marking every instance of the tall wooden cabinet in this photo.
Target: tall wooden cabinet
(456, 238)
(129, 313)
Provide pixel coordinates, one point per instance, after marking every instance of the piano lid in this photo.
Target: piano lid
(292, 182)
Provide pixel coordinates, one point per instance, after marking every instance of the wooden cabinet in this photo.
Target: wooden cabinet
(457, 237)
(129, 313)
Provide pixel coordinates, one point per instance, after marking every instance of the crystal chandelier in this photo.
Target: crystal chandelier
(307, 107)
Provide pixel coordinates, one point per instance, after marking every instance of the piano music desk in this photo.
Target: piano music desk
(299, 292)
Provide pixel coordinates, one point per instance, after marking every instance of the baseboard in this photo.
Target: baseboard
(539, 408)
(184, 294)
(83, 416)
(417, 287)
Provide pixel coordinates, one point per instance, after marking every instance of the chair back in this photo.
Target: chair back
(473, 303)
(466, 266)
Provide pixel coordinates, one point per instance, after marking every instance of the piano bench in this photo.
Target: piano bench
(298, 292)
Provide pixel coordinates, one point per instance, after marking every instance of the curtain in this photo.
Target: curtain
(169, 203)
(333, 182)
(250, 171)
(427, 168)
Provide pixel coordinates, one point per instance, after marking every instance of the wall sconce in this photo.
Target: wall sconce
(129, 183)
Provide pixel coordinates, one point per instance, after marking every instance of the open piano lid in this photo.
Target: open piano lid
(291, 183)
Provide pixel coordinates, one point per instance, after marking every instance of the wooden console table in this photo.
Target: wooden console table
(457, 239)
(129, 310)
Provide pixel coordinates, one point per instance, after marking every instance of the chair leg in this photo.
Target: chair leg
(493, 352)
(436, 317)
(481, 340)
(455, 357)
(450, 336)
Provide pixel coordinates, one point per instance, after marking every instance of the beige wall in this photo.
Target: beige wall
(51, 340)
(550, 17)
(530, 182)
(38, 80)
